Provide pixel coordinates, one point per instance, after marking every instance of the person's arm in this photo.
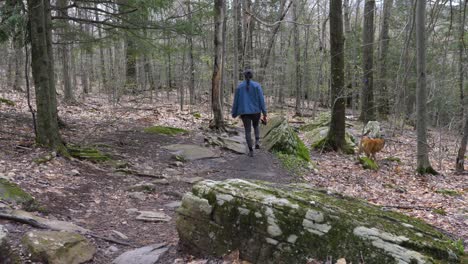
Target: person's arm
(262, 101)
(234, 104)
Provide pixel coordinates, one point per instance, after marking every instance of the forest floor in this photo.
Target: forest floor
(99, 198)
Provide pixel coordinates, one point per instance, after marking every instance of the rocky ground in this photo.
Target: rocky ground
(136, 204)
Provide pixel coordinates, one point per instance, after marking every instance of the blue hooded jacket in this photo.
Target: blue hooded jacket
(248, 101)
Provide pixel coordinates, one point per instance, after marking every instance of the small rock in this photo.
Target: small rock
(173, 204)
(160, 181)
(111, 249)
(137, 195)
(177, 164)
(142, 187)
(131, 210)
(75, 172)
(119, 235)
(151, 216)
(145, 255)
(341, 261)
(179, 261)
(192, 180)
(175, 194)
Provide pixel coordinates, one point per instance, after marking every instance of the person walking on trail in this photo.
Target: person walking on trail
(249, 104)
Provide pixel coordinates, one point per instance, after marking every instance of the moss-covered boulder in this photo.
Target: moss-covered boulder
(270, 223)
(13, 194)
(323, 120)
(318, 134)
(278, 136)
(58, 247)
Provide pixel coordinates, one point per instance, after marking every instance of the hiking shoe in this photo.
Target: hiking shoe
(251, 153)
(257, 146)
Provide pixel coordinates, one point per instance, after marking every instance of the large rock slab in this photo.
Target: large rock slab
(12, 193)
(56, 225)
(278, 136)
(233, 143)
(145, 255)
(55, 247)
(190, 152)
(292, 223)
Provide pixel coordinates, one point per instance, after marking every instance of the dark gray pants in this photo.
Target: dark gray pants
(249, 120)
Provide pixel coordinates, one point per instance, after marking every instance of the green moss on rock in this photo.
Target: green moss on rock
(7, 102)
(87, 153)
(12, 193)
(449, 192)
(272, 223)
(278, 136)
(164, 130)
(368, 163)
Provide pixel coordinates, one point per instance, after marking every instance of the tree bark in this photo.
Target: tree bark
(297, 61)
(423, 164)
(43, 74)
(191, 60)
(460, 162)
(216, 81)
(336, 133)
(383, 102)
(367, 100)
(65, 53)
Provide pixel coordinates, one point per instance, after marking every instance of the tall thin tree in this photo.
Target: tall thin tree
(423, 164)
(216, 80)
(367, 100)
(40, 24)
(336, 134)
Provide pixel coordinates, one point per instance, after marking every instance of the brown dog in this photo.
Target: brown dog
(370, 146)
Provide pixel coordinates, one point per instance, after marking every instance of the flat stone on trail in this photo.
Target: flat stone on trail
(173, 204)
(151, 216)
(137, 195)
(119, 235)
(234, 143)
(192, 180)
(55, 247)
(160, 181)
(145, 255)
(190, 152)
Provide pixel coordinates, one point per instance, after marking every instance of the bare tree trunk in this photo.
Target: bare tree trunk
(297, 59)
(43, 74)
(83, 72)
(191, 61)
(367, 100)
(102, 61)
(264, 60)
(460, 162)
(336, 133)
(423, 164)
(383, 102)
(248, 30)
(18, 69)
(65, 53)
(216, 81)
(235, 70)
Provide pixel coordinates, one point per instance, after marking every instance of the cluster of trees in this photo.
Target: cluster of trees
(363, 55)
